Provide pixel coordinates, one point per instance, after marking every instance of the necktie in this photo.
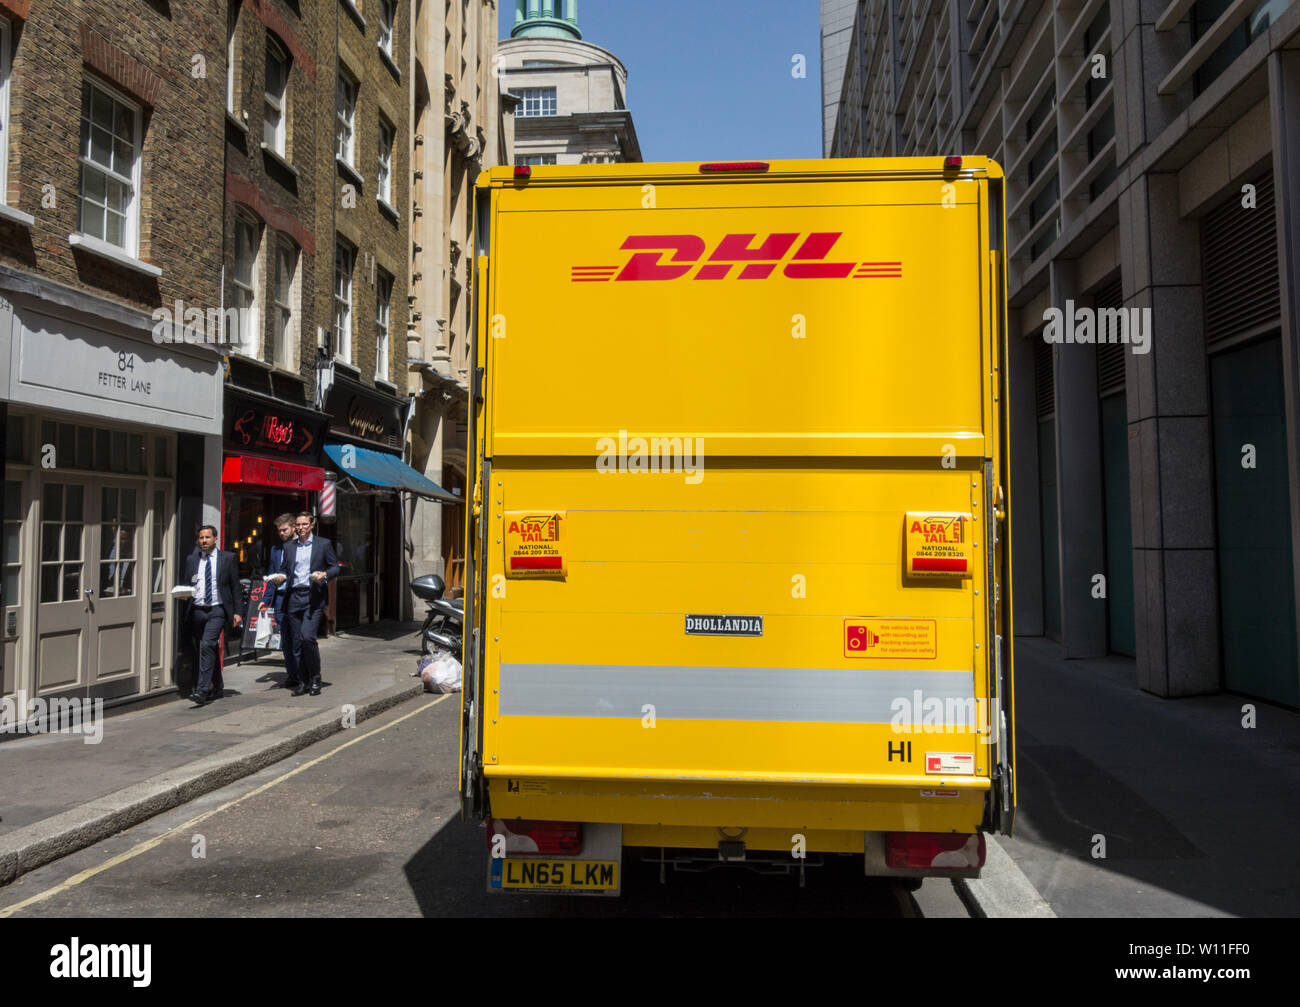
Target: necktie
(207, 579)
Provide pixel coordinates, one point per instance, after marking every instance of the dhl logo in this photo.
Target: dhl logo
(673, 256)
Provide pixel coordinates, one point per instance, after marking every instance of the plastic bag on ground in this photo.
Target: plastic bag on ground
(440, 673)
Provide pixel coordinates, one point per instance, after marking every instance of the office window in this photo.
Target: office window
(384, 182)
(344, 256)
(110, 154)
(232, 22)
(244, 298)
(383, 294)
(534, 159)
(387, 18)
(284, 264)
(277, 87)
(345, 107)
(536, 101)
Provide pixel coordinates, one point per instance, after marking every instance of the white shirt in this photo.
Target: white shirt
(302, 563)
(200, 597)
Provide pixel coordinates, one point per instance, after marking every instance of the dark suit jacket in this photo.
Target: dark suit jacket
(322, 558)
(227, 580)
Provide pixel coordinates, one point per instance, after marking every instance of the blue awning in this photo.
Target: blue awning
(380, 469)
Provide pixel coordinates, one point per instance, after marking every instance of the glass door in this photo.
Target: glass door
(63, 592)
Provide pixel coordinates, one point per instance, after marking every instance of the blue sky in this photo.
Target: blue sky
(711, 79)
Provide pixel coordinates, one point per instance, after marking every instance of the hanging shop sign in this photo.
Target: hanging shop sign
(361, 413)
(266, 426)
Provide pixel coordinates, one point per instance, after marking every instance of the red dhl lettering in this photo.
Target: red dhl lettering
(736, 256)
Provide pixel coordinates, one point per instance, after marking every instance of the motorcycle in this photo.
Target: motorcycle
(444, 622)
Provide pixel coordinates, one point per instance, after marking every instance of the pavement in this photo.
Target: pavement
(61, 794)
(1128, 805)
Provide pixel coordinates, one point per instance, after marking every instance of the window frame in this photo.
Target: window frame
(279, 102)
(232, 31)
(282, 354)
(541, 94)
(249, 347)
(383, 319)
(387, 27)
(5, 42)
(346, 153)
(384, 169)
(343, 298)
(131, 225)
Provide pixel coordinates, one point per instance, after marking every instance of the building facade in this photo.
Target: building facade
(273, 432)
(462, 125)
(110, 330)
(1152, 159)
(572, 94)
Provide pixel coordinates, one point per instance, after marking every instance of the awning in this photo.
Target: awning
(380, 469)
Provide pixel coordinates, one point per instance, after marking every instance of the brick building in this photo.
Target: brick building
(110, 321)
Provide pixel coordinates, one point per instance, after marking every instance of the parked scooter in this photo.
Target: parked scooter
(444, 623)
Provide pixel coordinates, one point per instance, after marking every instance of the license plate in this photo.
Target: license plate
(556, 875)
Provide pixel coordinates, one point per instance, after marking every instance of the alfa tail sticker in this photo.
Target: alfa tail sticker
(532, 543)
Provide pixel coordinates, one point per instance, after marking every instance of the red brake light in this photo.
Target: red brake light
(525, 836)
(952, 163)
(735, 166)
(951, 850)
(523, 171)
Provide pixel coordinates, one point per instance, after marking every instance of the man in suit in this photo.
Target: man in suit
(309, 566)
(215, 577)
(283, 525)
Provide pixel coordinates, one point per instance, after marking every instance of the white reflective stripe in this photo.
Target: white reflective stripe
(808, 695)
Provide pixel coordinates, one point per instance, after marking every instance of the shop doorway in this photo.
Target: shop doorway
(1256, 577)
(87, 622)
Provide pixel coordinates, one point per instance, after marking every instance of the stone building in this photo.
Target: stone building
(572, 94)
(110, 333)
(1152, 159)
(462, 125)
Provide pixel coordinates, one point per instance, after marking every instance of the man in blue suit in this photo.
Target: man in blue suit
(309, 565)
(284, 525)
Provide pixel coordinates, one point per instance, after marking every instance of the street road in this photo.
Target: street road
(367, 823)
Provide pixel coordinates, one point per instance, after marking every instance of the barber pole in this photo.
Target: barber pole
(327, 499)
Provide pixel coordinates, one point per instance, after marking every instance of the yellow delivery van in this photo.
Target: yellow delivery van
(738, 563)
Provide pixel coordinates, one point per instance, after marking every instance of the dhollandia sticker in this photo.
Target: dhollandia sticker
(939, 544)
(891, 638)
(724, 625)
(532, 543)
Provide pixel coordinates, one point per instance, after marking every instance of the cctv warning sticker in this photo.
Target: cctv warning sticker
(891, 638)
(939, 544)
(533, 546)
(950, 762)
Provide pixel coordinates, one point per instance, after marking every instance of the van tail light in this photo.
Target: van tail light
(716, 166)
(524, 836)
(934, 850)
(952, 163)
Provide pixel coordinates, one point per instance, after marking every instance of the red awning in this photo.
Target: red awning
(265, 472)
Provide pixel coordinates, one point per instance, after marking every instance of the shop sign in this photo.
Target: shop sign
(257, 426)
(365, 414)
(268, 472)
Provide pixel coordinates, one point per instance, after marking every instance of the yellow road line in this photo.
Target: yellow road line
(149, 844)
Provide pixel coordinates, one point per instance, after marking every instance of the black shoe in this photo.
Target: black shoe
(315, 687)
(200, 698)
(299, 689)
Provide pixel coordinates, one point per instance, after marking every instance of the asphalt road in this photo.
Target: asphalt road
(367, 824)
